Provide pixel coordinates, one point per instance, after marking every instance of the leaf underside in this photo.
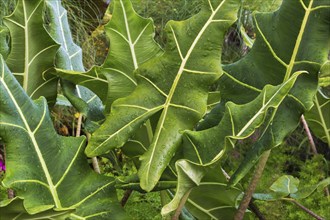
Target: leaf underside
(69, 57)
(132, 43)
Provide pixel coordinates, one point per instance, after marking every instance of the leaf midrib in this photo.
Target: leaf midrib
(52, 188)
(62, 33)
(264, 106)
(299, 39)
(26, 61)
(131, 44)
(176, 81)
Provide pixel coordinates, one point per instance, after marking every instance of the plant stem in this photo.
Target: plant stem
(253, 184)
(256, 211)
(312, 143)
(181, 205)
(309, 134)
(304, 208)
(126, 196)
(79, 122)
(95, 162)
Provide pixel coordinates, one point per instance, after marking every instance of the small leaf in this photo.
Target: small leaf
(307, 191)
(269, 196)
(69, 57)
(285, 185)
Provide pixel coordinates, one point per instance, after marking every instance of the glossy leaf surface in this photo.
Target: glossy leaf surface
(212, 199)
(132, 43)
(285, 184)
(69, 57)
(42, 167)
(176, 84)
(14, 209)
(277, 53)
(32, 50)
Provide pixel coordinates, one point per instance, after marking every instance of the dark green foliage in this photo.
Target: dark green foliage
(144, 206)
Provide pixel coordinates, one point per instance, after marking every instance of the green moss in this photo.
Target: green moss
(144, 206)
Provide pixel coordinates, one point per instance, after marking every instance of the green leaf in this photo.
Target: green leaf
(260, 5)
(318, 118)
(42, 167)
(63, 101)
(269, 196)
(132, 43)
(14, 209)
(213, 100)
(212, 199)
(238, 122)
(32, 56)
(247, 40)
(176, 84)
(186, 180)
(285, 185)
(69, 57)
(288, 186)
(206, 148)
(307, 191)
(325, 69)
(279, 50)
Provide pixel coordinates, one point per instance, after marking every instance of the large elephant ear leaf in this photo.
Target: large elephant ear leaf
(42, 167)
(176, 84)
(280, 49)
(131, 44)
(203, 149)
(69, 57)
(32, 56)
(277, 53)
(212, 199)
